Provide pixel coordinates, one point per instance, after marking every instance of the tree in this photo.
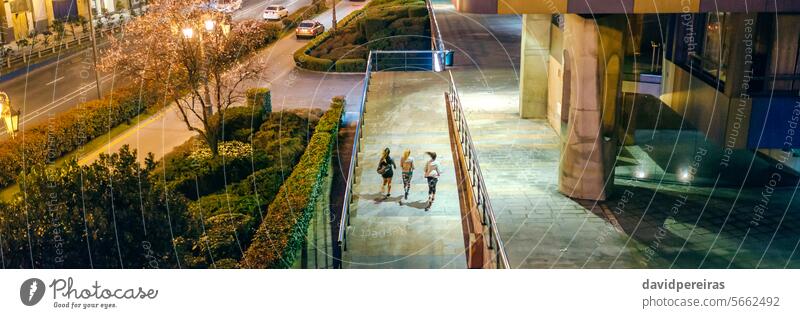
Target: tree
(109, 214)
(197, 57)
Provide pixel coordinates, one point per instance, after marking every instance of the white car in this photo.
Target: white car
(228, 6)
(275, 13)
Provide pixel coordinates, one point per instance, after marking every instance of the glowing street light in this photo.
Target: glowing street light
(10, 117)
(210, 24)
(188, 32)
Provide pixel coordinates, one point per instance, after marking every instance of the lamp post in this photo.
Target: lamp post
(93, 37)
(210, 26)
(333, 12)
(10, 116)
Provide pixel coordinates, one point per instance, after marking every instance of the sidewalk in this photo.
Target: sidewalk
(540, 227)
(646, 225)
(405, 110)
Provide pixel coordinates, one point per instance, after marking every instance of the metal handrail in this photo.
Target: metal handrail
(481, 195)
(438, 41)
(344, 220)
(22, 56)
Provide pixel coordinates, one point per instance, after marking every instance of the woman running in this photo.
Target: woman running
(386, 169)
(432, 173)
(407, 164)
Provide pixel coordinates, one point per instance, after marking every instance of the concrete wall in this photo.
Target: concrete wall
(555, 79)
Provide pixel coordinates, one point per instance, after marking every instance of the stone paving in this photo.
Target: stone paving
(644, 225)
(405, 110)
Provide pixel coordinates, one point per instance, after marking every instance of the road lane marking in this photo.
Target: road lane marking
(54, 81)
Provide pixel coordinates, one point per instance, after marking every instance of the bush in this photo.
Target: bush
(281, 139)
(224, 234)
(281, 233)
(260, 98)
(61, 203)
(301, 56)
(381, 25)
(45, 142)
(191, 170)
(314, 63)
(418, 11)
(238, 123)
(351, 65)
(374, 26)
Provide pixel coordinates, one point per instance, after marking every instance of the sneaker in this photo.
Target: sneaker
(388, 195)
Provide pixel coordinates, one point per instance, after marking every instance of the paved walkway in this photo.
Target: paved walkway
(405, 110)
(646, 225)
(540, 227)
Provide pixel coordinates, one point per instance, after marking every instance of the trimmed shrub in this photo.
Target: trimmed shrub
(374, 27)
(191, 170)
(301, 56)
(381, 25)
(351, 65)
(314, 63)
(282, 139)
(280, 235)
(418, 11)
(238, 123)
(45, 142)
(260, 98)
(224, 234)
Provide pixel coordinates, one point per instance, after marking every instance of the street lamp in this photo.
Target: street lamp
(210, 24)
(188, 32)
(10, 117)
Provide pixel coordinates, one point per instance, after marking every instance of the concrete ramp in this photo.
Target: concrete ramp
(405, 110)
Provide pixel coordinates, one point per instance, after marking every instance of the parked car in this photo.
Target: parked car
(309, 29)
(275, 13)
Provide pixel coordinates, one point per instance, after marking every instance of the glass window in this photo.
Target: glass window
(714, 56)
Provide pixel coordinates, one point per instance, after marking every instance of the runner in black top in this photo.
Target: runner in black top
(386, 169)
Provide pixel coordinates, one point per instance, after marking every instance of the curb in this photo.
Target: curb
(297, 67)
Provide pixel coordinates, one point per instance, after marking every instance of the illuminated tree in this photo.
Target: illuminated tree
(197, 57)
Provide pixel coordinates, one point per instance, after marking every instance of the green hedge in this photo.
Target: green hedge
(283, 139)
(305, 61)
(66, 132)
(313, 63)
(351, 65)
(281, 234)
(260, 98)
(380, 25)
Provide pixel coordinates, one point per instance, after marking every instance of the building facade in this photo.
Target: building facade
(20, 18)
(643, 88)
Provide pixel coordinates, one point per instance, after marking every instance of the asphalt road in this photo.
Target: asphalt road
(43, 92)
(291, 88)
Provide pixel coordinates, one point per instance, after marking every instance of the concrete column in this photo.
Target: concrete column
(741, 39)
(582, 168)
(533, 65)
